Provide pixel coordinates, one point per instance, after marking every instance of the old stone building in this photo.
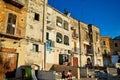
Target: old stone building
(22, 32)
(110, 49)
(84, 44)
(90, 49)
(116, 46)
(75, 42)
(83, 40)
(115, 57)
(106, 49)
(34, 33)
(94, 35)
(12, 34)
(57, 37)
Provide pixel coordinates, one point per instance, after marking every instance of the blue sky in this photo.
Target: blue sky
(104, 14)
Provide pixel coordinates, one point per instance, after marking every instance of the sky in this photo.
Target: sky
(105, 14)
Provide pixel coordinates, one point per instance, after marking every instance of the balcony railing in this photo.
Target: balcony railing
(75, 50)
(49, 24)
(89, 52)
(17, 3)
(103, 46)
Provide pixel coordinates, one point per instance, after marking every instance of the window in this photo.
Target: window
(75, 46)
(89, 49)
(63, 58)
(104, 43)
(36, 16)
(66, 25)
(59, 21)
(66, 40)
(116, 45)
(97, 36)
(86, 36)
(98, 50)
(105, 52)
(11, 25)
(74, 34)
(47, 36)
(35, 48)
(59, 38)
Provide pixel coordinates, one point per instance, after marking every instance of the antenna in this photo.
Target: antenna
(66, 12)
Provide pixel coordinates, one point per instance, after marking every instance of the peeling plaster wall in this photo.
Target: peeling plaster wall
(5, 9)
(52, 56)
(98, 60)
(34, 33)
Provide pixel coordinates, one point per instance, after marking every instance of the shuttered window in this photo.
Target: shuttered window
(66, 25)
(66, 40)
(11, 25)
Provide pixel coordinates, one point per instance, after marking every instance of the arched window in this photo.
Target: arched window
(59, 37)
(59, 21)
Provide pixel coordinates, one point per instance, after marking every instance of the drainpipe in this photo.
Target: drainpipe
(79, 46)
(43, 35)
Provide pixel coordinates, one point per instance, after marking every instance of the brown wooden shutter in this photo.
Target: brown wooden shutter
(75, 61)
(11, 24)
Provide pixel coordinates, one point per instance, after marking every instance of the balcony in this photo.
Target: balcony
(75, 50)
(7, 50)
(17, 3)
(89, 52)
(10, 36)
(103, 46)
(49, 24)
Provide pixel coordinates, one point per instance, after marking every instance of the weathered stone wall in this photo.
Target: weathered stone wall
(7, 8)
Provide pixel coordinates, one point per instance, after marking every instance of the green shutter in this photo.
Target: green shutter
(28, 74)
(105, 52)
